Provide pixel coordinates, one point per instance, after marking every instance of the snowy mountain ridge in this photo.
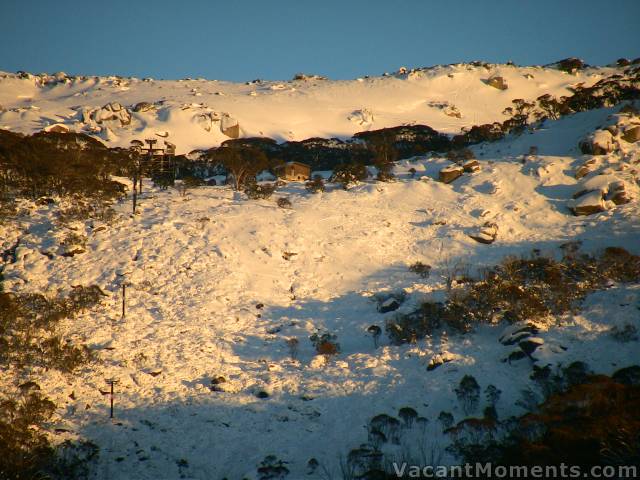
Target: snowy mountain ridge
(194, 113)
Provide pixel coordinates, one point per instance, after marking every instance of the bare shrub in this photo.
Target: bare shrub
(420, 269)
(618, 264)
(189, 183)
(375, 332)
(284, 202)
(325, 344)
(293, 345)
(271, 468)
(625, 333)
(58, 354)
(73, 239)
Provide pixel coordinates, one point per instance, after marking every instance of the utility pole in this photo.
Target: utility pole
(111, 382)
(124, 298)
(123, 276)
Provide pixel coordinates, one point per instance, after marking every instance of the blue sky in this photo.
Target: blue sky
(244, 40)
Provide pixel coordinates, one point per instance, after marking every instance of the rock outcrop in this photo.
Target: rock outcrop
(497, 82)
(111, 112)
(486, 234)
(450, 173)
(599, 142)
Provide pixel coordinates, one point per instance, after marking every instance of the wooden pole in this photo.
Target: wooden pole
(124, 298)
(111, 382)
(111, 411)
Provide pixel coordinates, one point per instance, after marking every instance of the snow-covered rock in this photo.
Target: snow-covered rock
(486, 234)
(599, 142)
(515, 333)
(450, 173)
(632, 134)
(229, 126)
(112, 111)
(588, 203)
(362, 117)
(497, 82)
(141, 107)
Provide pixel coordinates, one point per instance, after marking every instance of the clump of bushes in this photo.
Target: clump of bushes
(73, 239)
(293, 345)
(325, 344)
(385, 172)
(420, 269)
(570, 65)
(389, 439)
(188, 183)
(315, 185)
(460, 155)
(468, 393)
(25, 451)
(591, 422)
(271, 468)
(349, 173)
(284, 202)
(63, 164)
(625, 333)
(607, 92)
(519, 113)
(28, 329)
(256, 191)
(519, 289)
(82, 208)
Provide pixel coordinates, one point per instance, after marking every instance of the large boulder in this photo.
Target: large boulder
(143, 107)
(602, 183)
(486, 234)
(471, 166)
(450, 173)
(589, 203)
(112, 111)
(361, 117)
(597, 193)
(389, 305)
(230, 126)
(452, 111)
(618, 193)
(599, 142)
(531, 344)
(57, 128)
(390, 301)
(440, 359)
(497, 82)
(517, 333)
(632, 134)
(586, 168)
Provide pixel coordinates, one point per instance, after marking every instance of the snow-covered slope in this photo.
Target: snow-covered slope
(193, 113)
(218, 283)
